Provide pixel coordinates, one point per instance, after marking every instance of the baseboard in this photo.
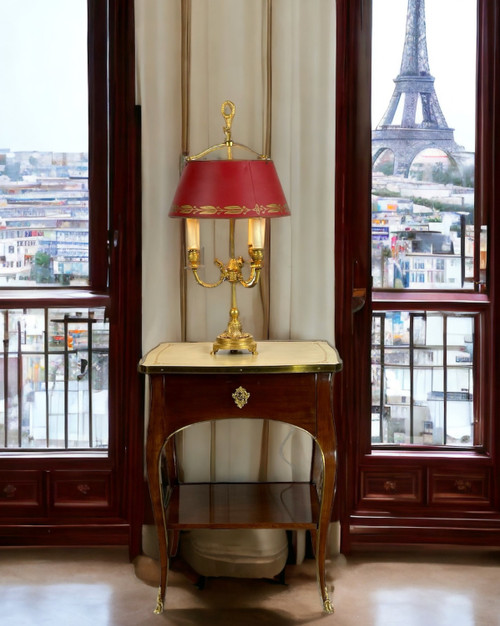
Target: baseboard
(365, 531)
(67, 535)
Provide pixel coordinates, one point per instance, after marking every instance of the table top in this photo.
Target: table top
(272, 357)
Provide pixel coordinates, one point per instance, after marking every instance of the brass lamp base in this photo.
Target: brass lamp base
(233, 338)
(225, 341)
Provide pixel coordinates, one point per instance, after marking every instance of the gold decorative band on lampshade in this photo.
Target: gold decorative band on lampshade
(229, 189)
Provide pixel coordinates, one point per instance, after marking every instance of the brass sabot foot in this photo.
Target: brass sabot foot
(159, 603)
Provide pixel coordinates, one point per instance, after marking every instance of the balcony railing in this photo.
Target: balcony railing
(423, 378)
(54, 379)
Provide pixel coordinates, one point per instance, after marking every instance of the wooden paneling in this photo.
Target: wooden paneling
(74, 490)
(458, 487)
(21, 493)
(391, 485)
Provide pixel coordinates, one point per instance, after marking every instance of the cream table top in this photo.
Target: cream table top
(273, 356)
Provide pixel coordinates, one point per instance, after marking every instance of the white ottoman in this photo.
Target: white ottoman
(246, 553)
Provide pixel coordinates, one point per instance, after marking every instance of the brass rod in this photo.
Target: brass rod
(185, 71)
(265, 282)
(185, 100)
(231, 238)
(269, 78)
(232, 224)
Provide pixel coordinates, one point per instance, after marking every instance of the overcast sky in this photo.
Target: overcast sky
(43, 68)
(451, 46)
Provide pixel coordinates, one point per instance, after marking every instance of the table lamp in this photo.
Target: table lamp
(229, 189)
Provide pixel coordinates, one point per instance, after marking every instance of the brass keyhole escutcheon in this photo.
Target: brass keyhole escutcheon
(240, 397)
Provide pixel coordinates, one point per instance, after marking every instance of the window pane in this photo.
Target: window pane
(423, 120)
(44, 207)
(418, 396)
(54, 379)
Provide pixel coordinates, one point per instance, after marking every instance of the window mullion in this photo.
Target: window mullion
(46, 373)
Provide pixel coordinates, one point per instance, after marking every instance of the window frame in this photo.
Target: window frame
(354, 298)
(476, 299)
(115, 283)
(101, 211)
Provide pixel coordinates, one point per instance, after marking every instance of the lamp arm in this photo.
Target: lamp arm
(203, 283)
(257, 255)
(194, 263)
(253, 278)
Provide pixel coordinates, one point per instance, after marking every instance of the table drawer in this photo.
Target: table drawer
(287, 397)
(73, 489)
(460, 487)
(21, 492)
(389, 486)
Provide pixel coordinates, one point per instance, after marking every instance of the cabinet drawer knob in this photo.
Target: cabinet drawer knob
(240, 397)
(463, 486)
(9, 491)
(83, 488)
(390, 486)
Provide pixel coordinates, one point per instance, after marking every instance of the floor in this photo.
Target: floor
(100, 587)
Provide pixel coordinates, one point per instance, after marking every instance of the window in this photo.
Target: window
(55, 371)
(423, 164)
(70, 405)
(44, 196)
(57, 207)
(422, 378)
(411, 353)
(54, 363)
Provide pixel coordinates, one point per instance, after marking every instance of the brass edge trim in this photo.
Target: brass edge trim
(236, 369)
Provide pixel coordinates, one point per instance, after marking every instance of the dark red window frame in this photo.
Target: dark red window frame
(115, 279)
(353, 235)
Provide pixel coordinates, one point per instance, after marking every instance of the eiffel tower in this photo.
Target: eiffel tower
(415, 86)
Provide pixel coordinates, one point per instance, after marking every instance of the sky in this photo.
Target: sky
(451, 47)
(43, 69)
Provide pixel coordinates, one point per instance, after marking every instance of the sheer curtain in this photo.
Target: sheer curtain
(228, 62)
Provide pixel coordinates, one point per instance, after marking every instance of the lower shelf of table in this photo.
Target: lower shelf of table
(243, 505)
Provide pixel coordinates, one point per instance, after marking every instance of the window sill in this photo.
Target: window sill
(429, 454)
(51, 296)
(430, 300)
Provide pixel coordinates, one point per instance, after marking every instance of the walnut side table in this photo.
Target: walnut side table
(287, 381)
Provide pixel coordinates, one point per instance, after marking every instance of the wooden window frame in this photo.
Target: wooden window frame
(115, 283)
(353, 253)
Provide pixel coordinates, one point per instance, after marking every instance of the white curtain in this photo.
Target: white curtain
(228, 62)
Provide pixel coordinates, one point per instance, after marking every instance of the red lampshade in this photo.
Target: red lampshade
(229, 189)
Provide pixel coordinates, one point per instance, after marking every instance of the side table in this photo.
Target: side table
(287, 381)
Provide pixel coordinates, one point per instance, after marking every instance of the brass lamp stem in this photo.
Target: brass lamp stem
(231, 238)
(233, 338)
